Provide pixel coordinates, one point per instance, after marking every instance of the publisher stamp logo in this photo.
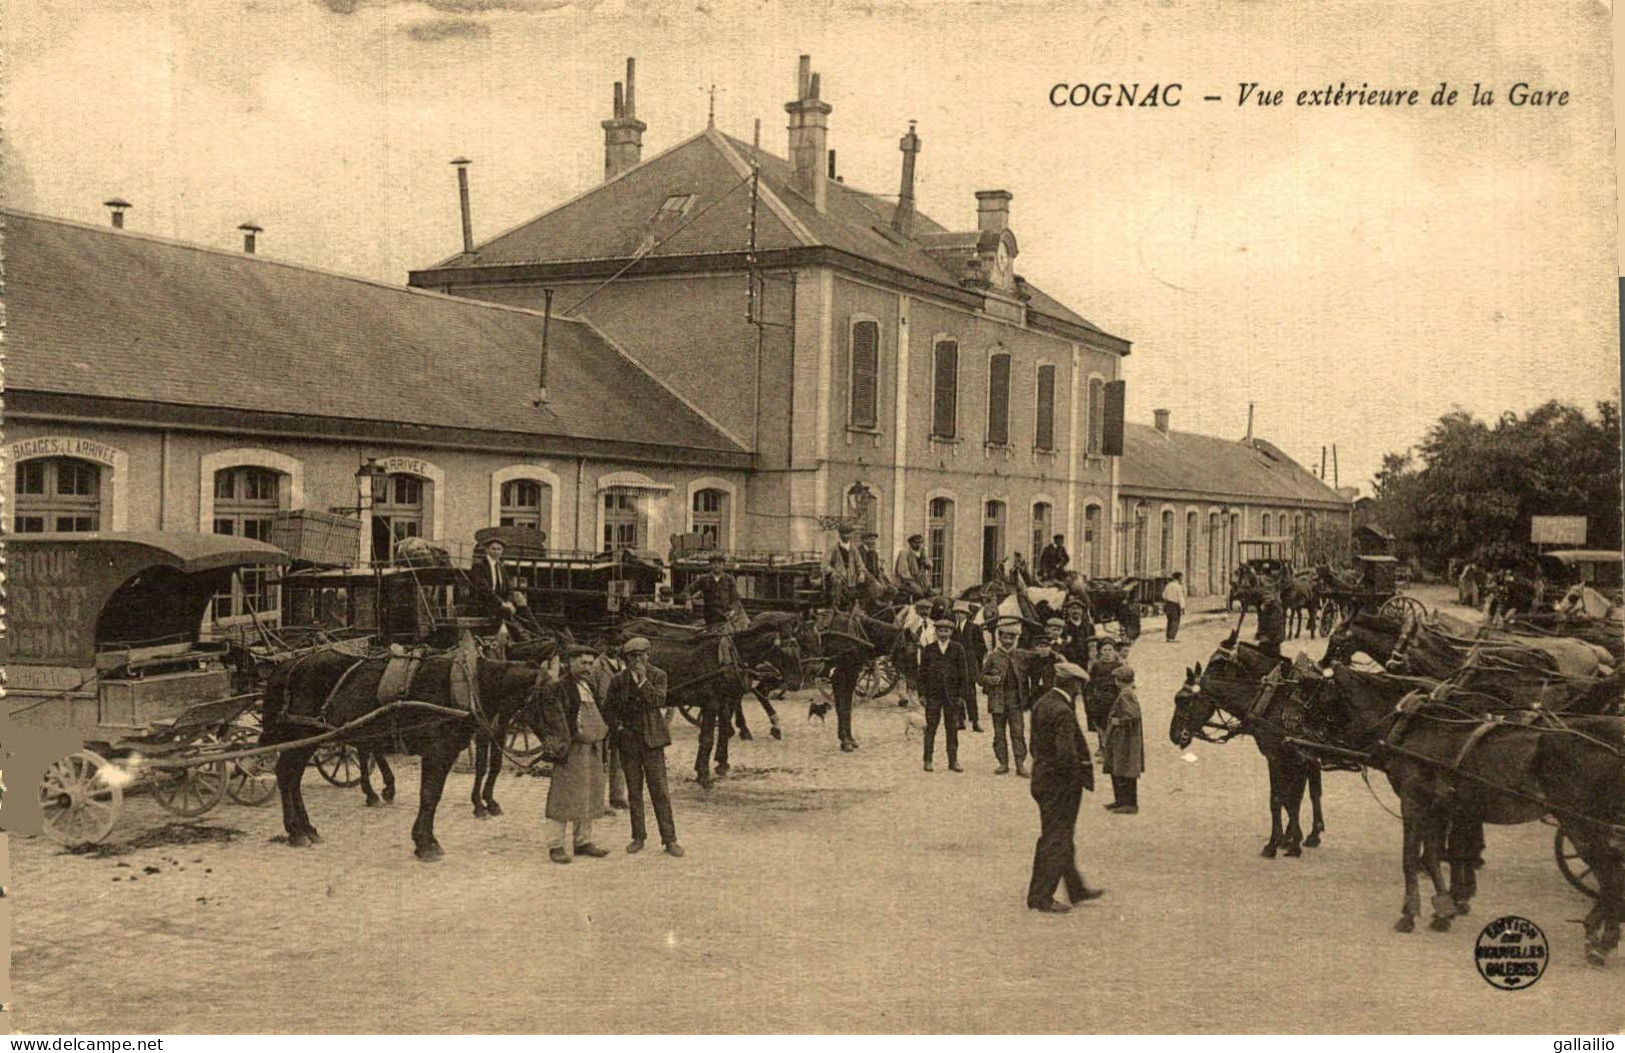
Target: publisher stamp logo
(1511, 953)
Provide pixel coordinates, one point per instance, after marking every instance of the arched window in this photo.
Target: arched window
(1044, 433)
(1215, 553)
(1167, 540)
(992, 538)
(397, 512)
(57, 493)
(246, 500)
(1297, 526)
(1097, 415)
(625, 525)
(945, 390)
(1142, 527)
(998, 399)
(1192, 528)
(939, 543)
(1233, 544)
(863, 407)
(1264, 526)
(711, 517)
(1093, 543)
(1043, 524)
(525, 503)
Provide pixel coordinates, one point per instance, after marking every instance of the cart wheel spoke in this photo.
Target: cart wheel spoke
(79, 803)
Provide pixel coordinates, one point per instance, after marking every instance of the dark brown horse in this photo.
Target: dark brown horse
(327, 689)
(1229, 684)
(703, 669)
(1447, 764)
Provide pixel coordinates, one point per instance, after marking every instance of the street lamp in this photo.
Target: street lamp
(364, 475)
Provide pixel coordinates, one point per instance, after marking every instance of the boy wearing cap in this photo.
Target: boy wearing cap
(574, 730)
(634, 701)
(716, 591)
(1061, 772)
(1124, 746)
(944, 686)
(1004, 675)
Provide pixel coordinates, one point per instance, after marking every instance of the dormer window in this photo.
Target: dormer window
(675, 205)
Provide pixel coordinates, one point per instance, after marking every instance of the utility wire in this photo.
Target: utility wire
(635, 260)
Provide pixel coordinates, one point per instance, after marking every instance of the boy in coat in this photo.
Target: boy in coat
(1124, 752)
(1004, 675)
(944, 687)
(1061, 772)
(634, 700)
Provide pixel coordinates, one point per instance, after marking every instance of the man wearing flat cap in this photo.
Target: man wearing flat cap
(868, 551)
(716, 591)
(634, 700)
(844, 568)
(1061, 772)
(573, 732)
(914, 569)
(945, 683)
(1004, 674)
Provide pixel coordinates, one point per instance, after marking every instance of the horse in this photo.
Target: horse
(1552, 672)
(330, 689)
(703, 669)
(540, 647)
(775, 647)
(1300, 597)
(1229, 684)
(849, 634)
(1448, 765)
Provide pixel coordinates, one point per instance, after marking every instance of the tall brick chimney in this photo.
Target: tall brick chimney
(809, 135)
(992, 210)
(902, 221)
(623, 133)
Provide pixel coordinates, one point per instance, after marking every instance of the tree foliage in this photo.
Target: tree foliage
(1469, 489)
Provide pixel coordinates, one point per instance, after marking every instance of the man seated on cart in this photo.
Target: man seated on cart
(495, 594)
(914, 569)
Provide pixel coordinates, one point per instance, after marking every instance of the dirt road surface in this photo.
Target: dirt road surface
(822, 892)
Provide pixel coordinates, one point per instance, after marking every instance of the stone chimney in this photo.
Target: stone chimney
(623, 133)
(809, 136)
(1161, 417)
(250, 231)
(118, 206)
(992, 210)
(902, 221)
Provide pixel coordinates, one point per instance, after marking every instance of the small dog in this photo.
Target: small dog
(819, 710)
(913, 721)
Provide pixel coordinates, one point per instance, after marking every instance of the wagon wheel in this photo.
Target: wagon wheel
(1402, 605)
(190, 791)
(81, 797)
(522, 741)
(692, 714)
(339, 764)
(253, 779)
(1575, 869)
(877, 679)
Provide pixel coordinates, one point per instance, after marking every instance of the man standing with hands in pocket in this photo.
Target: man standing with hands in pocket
(1061, 772)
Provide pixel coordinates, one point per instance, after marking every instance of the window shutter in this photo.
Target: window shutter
(998, 399)
(1046, 408)
(945, 409)
(1112, 440)
(865, 369)
(1097, 412)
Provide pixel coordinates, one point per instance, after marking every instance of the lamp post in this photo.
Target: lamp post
(364, 475)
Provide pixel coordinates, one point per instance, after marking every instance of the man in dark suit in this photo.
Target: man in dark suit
(634, 702)
(1052, 562)
(717, 591)
(492, 590)
(1061, 772)
(868, 551)
(968, 635)
(944, 686)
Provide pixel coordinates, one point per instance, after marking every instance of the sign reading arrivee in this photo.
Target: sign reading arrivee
(1557, 530)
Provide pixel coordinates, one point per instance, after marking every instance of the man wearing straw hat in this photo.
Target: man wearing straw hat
(1061, 772)
(1004, 675)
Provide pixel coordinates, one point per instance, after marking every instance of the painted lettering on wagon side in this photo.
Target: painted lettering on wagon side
(47, 602)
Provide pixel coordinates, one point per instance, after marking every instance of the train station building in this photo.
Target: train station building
(715, 340)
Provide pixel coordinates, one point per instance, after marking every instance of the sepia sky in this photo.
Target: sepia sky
(1355, 271)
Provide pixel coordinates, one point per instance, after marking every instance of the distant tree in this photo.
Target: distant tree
(1472, 486)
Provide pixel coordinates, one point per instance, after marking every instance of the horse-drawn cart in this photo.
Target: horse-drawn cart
(1374, 583)
(104, 644)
